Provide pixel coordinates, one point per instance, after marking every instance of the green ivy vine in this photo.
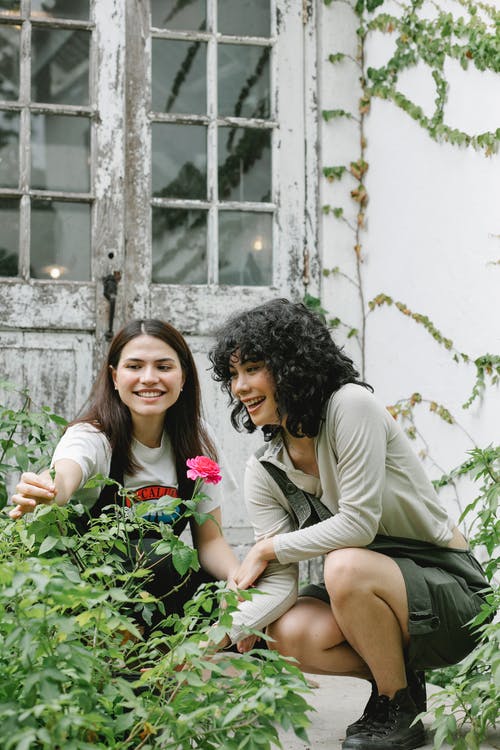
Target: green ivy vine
(471, 37)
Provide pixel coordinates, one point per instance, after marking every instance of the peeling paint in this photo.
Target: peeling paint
(57, 329)
(35, 305)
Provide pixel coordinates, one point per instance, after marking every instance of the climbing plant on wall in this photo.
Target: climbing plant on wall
(472, 39)
(432, 36)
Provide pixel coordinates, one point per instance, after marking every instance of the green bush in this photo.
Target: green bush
(72, 652)
(470, 692)
(27, 436)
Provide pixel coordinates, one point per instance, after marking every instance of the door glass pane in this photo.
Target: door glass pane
(9, 237)
(179, 154)
(9, 62)
(60, 240)
(244, 164)
(245, 248)
(187, 15)
(179, 246)
(76, 9)
(244, 82)
(9, 149)
(12, 5)
(179, 77)
(244, 17)
(60, 153)
(60, 66)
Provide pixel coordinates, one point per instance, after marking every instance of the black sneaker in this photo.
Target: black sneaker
(391, 726)
(367, 714)
(416, 685)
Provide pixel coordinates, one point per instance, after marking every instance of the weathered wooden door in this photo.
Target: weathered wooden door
(61, 180)
(160, 142)
(220, 153)
(157, 159)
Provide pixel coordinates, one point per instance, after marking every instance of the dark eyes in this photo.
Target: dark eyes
(135, 366)
(249, 368)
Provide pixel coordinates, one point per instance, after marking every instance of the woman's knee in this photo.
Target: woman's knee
(287, 633)
(309, 625)
(345, 572)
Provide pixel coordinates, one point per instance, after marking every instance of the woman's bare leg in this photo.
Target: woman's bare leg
(309, 633)
(369, 603)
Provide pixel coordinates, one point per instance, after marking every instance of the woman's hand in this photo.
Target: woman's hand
(246, 644)
(254, 563)
(36, 489)
(32, 490)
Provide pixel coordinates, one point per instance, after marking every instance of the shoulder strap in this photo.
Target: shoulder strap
(306, 508)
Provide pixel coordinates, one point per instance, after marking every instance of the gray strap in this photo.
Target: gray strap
(306, 508)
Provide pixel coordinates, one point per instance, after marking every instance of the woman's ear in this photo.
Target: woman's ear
(113, 375)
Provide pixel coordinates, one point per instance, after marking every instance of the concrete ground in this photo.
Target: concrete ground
(338, 702)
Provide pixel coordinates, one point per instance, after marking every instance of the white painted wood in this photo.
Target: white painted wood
(52, 333)
(54, 366)
(200, 308)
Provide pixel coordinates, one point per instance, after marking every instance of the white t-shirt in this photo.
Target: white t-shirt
(91, 450)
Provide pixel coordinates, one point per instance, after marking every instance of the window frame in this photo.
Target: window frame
(120, 192)
(196, 308)
(31, 303)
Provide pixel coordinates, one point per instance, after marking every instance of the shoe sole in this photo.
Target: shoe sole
(360, 742)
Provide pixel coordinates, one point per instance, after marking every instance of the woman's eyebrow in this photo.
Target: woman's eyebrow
(139, 359)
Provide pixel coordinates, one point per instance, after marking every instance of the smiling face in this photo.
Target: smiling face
(253, 384)
(148, 377)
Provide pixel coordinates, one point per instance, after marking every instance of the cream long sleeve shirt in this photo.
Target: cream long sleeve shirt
(369, 478)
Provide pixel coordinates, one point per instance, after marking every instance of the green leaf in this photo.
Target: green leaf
(22, 458)
(372, 5)
(337, 57)
(48, 543)
(330, 114)
(185, 558)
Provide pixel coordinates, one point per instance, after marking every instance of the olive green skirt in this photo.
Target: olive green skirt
(445, 588)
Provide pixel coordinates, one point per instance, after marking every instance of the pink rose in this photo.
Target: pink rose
(203, 468)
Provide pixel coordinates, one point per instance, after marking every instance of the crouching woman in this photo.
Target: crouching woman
(337, 477)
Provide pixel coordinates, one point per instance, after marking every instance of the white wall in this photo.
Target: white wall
(432, 239)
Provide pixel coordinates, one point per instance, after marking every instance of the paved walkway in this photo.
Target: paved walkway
(339, 701)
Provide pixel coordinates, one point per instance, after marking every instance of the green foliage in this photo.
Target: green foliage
(467, 33)
(333, 173)
(467, 707)
(27, 436)
(470, 692)
(331, 114)
(488, 365)
(72, 596)
(432, 41)
(72, 650)
(483, 467)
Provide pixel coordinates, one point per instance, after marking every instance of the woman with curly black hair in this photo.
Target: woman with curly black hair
(337, 477)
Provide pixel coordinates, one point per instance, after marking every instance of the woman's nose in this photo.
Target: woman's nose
(239, 385)
(149, 375)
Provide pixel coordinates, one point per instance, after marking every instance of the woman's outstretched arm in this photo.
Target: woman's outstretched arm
(35, 489)
(215, 554)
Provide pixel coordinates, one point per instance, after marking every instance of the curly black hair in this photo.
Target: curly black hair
(298, 350)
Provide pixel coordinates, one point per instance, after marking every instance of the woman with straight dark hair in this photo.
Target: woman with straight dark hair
(143, 423)
(337, 477)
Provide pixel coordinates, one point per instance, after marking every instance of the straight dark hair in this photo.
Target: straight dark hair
(183, 423)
